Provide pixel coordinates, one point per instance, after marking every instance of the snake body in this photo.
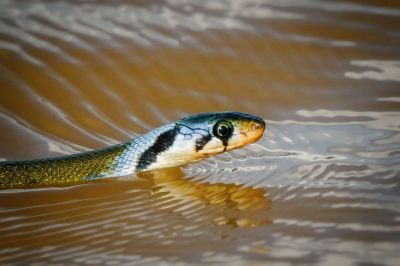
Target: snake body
(187, 140)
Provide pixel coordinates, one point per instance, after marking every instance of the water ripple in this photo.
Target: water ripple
(82, 75)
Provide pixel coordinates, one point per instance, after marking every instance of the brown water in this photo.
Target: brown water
(321, 187)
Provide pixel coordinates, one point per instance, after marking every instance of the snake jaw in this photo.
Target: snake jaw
(246, 137)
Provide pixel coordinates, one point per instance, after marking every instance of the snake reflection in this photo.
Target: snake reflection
(145, 214)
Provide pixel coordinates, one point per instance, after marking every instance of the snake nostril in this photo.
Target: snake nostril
(257, 125)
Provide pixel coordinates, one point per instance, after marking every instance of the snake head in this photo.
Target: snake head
(200, 136)
(218, 132)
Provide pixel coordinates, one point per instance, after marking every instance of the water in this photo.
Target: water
(321, 187)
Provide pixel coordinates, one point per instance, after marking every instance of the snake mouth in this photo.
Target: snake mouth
(247, 136)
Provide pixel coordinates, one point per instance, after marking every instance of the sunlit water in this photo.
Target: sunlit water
(321, 187)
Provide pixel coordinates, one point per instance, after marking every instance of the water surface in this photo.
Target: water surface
(321, 187)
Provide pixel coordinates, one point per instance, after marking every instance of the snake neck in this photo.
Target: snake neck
(123, 159)
(142, 152)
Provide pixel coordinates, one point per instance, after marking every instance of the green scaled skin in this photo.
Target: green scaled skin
(66, 169)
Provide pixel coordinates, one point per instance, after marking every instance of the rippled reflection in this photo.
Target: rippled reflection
(160, 214)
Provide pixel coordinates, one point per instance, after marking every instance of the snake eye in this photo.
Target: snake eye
(223, 129)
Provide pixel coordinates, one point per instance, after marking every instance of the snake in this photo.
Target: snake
(178, 143)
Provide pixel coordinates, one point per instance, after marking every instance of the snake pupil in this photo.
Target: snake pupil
(222, 130)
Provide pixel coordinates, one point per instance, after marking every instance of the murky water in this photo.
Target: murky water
(321, 187)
